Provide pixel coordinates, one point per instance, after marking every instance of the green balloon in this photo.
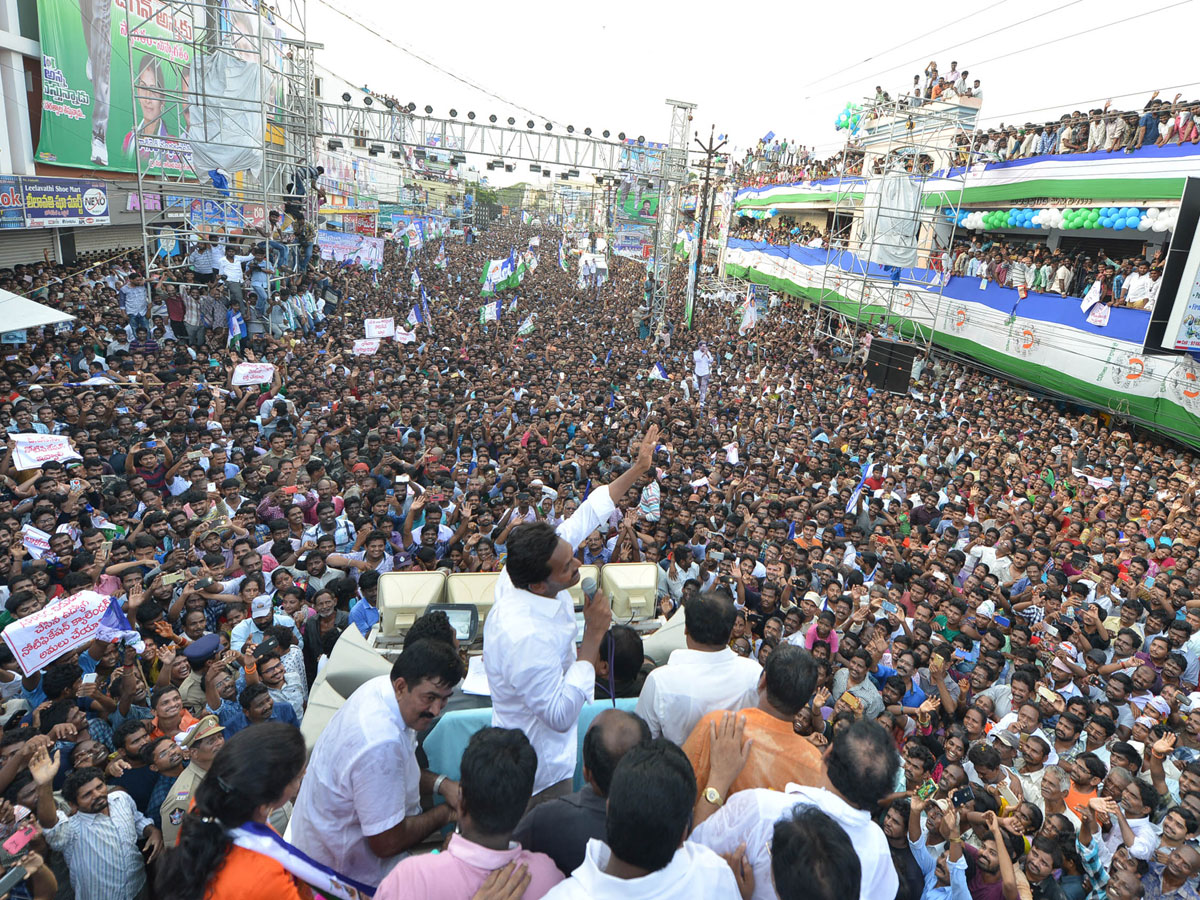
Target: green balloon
(1093, 215)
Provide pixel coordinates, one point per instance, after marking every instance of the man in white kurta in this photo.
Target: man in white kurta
(539, 682)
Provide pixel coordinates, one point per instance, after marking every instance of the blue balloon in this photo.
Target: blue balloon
(1119, 225)
(1132, 221)
(1105, 222)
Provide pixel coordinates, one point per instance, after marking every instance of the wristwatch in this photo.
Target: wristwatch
(713, 796)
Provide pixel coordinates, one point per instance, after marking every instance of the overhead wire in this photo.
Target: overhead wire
(901, 44)
(954, 46)
(374, 30)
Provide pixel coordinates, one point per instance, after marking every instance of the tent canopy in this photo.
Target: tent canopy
(18, 313)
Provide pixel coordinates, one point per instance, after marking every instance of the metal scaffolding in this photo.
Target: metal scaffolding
(671, 178)
(234, 81)
(904, 198)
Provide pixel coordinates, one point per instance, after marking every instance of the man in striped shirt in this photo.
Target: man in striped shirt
(100, 840)
(193, 315)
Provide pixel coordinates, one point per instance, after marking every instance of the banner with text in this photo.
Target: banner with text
(34, 202)
(379, 328)
(253, 373)
(91, 117)
(32, 451)
(39, 639)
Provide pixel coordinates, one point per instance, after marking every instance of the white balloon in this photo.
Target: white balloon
(1144, 225)
(1159, 225)
(1152, 213)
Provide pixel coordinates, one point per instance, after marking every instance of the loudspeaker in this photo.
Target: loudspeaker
(889, 365)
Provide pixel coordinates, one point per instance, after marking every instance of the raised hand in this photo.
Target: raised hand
(645, 457)
(1164, 745)
(43, 767)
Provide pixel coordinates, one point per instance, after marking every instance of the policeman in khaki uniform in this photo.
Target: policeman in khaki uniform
(199, 654)
(201, 744)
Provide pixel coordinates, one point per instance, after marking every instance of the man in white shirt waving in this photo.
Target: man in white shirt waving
(228, 267)
(703, 361)
(539, 682)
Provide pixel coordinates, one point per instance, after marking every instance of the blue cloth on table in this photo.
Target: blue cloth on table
(444, 745)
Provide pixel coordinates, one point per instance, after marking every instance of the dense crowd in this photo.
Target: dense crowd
(1130, 281)
(1159, 123)
(958, 627)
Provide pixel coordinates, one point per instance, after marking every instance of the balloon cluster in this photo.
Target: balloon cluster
(1118, 218)
(849, 118)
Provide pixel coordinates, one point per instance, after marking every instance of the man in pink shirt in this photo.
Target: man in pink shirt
(498, 768)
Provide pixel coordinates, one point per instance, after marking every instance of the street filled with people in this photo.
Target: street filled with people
(941, 643)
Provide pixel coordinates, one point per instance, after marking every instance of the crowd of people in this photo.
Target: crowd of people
(1160, 122)
(1125, 281)
(944, 643)
(1157, 124)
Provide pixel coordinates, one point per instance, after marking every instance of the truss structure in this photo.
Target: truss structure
(671, 178)
(235, 82)
(924, 147)
(387, 129)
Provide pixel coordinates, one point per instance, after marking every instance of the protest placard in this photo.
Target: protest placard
(253, 373)
(36, 541)
(379, 328)
(366, 347)
(32, 451)
(39, 639)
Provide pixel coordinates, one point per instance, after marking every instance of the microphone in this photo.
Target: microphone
(589, 588)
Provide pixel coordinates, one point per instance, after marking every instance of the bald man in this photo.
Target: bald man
(561, 827)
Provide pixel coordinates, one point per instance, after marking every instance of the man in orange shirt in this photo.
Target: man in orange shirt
(807, 538)
(773, 754)
(1087, 771)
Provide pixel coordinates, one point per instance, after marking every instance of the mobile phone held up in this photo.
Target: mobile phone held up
(962, 796)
